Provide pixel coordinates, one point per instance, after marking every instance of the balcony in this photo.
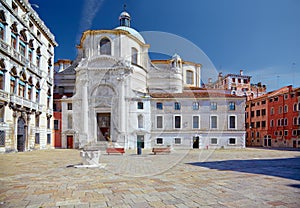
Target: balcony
(4, 96)
(24, 102)
(35, 69)
(4, 46)
(49, 111)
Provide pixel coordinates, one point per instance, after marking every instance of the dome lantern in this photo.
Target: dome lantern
(124, 18)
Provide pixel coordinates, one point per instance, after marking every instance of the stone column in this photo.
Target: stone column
(85, 110)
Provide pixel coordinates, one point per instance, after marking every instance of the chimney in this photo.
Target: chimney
(241, 72)
(220, 76)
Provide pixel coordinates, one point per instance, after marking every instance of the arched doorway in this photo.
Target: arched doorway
(21, 135)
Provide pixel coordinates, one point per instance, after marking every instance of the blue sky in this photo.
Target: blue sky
(262, 37)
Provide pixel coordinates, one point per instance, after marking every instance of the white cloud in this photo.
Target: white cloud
(90, 9)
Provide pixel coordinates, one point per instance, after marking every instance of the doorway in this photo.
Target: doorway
(294, 144)
(103, 127)
(140, 141)
(21, 136)
(196, 142)
(70, 142)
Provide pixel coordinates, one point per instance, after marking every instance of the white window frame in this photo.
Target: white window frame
(234, 143)
(193, 121)
(174, 121)
(234, 121)
(175, 140)
(159, 143)
(210, 121)
(212, 143)
(157, 123)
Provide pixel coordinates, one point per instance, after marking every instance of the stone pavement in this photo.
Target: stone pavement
(194, 178)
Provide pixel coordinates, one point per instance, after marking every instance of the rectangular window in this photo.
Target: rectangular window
(177, 106)
(195, 122)
(232, 122)
(257, 124)
(2, 138)
(177, 140)
(159, 106)
(252, 113)
(159, 141)
(177, 122)
(286, 132)
(48, 123)
(56, 126)
(37, 138)
(271, 123)
(37, 120)
(252, 125)
(69, 106)
(213, 141)
(263, 112)
(263, 124)
(140, 105)
(231, 105)
(189, 77)
(195, 106)
(213, 106)
(48, 138)
(257, 112)
(232, 141)
(213, 122)
(159, 122)
(263, 102)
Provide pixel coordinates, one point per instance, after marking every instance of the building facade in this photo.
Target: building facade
(273, 120)
(26, 76)
(237, 84)
(121, 96)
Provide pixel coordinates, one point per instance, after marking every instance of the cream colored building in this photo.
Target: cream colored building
(26, 75)
(118, 89)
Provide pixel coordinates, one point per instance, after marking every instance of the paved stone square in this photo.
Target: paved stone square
(184, 178)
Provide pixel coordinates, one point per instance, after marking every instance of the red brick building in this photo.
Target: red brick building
(273, 120)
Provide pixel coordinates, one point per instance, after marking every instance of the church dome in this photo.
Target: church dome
(132, 32)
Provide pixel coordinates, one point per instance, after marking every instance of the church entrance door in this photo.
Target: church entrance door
(103, 124)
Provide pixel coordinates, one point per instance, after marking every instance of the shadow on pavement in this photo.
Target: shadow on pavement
(282, 167)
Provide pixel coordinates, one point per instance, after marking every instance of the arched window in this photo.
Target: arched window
(105, 46)
(2, 74)
(70, 120)
(285, 122)
(13, 75)
(295, 106)
(29, 91)
(2, 24)
(189, 77)
(134, 56)
(21, 84)
(295, 121)
(140, 121)
(38, 89)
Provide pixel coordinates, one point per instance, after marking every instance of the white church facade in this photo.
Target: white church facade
(121, 96)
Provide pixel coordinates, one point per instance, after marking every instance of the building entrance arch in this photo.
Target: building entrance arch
(21, 135)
